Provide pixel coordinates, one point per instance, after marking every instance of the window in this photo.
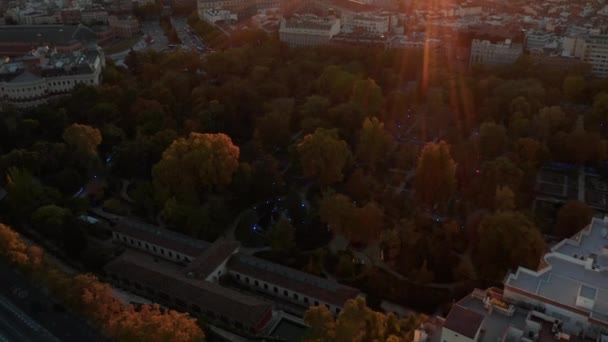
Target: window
(132, 242)
(238, 276)
(306, 300)
(171, 254)
(162, 251)
(316, 303)
(276, 290)
(177, 256)
(285, 293)
(256, 283)
(247, 280)
(139, 243)
(147, 246)
(327, 305)
(265, 286)
(154, 248)
(337, 311)
(295, 296)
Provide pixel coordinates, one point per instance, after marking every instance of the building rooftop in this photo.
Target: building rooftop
(309, 21)
(168, 278)
(298, 281)
(48, 34)
(495, 323)
(464, 321)
(212, 258)
(575, 275)
(163, 237)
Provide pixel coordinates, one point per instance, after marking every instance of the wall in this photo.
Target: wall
(281, 292)
(165, 253)
(448, 335)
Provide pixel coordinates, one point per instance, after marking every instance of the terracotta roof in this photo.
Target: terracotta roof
(463, 321)
(212, 257)
(163, 237)
(289, 278)
(233, 305)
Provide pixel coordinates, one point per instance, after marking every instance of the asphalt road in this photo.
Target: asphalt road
(26, 314)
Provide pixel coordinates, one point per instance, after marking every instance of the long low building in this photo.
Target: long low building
(167, 284)
(195, 268)
(43, 74)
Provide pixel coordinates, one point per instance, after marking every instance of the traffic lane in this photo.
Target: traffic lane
(17, 326)
(21, 294)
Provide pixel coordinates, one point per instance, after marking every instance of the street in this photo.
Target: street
(190, 41)
(26, 314)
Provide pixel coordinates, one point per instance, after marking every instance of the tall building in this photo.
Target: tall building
(596, 54)
(368, 23)
(308, 30)
(486, 52)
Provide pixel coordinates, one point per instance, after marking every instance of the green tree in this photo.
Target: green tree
(572, 218)
(550, 120)
(282, 235)
(505, 199)
(323, 155)
(600, 107)
(435, 174)
(335, 210)
(492, 140)
(50, 219)
(26, 194)
(573, 88)
(82, 138)
(195, 164)
(368, 95)
(507, 239)
(374, 142)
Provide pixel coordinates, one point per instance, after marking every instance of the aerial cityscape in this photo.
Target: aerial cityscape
(304, 170)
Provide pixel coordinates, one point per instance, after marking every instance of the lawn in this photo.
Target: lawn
(121, 45)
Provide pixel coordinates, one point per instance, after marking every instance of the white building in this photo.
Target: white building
(214, 15)
(369, 23)
(43, 75)
(572, 283)
(538, 40)
(486, 52)
(596, 54)
(308, 30)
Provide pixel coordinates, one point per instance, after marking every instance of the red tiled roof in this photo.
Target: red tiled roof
(304, 283)
(212, 257)
(463, 321)
(233, 305)
(164, 238)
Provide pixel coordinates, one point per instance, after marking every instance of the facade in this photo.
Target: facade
(242, 8)
(124, 27)
(70, 16)
(94, 15)
(462, 325)
(308, 30)
(367, 23)
(596, 54)
(45, 74)
(287, 284)
(213, 16)
(488, 53)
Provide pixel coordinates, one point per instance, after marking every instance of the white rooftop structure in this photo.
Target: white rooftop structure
(572, 283)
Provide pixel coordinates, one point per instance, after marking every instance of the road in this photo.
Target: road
(26, 314)
(190, 41)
